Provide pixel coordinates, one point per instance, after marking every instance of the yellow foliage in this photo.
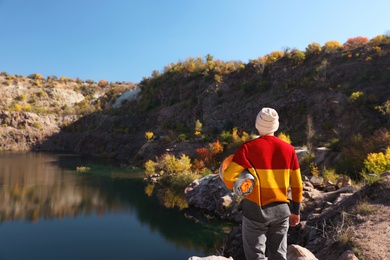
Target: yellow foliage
(210, 65)
(149, 135)
(235, 136)
(198, 126)
(313, 48)
(150, 167)
(332, 45)
(355, 96)
(184, 163)
(149, 189)
(239, 139)
(37, 83)
(284, 137)
(379, 39)
(171, 200)
(191, 67)
(27, 108)
(17, 107)
(378, 162)
(245, 136)
(273, 56)
(376, 48)
(171, 164)
(314, 169)
(10, 77)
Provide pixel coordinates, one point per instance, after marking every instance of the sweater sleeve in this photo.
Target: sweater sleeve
(296, 187)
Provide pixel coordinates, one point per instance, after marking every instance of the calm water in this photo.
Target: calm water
(48, 210)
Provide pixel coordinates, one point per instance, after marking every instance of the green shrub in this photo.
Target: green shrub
(298, 56)
(334, 144)
(330, 175)
(21, 97)
(384, 109)
(41, 94)
(306, 161)
(181, 137)
(355, 96)
(226, 136)
(364, 208)
(37, 125)
(370, 178)
(82, 168)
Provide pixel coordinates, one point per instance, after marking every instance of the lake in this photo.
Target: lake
(51, 210)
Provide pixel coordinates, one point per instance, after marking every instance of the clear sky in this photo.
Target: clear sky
(126, 40)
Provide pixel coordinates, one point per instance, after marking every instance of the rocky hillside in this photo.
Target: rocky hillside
(331, 98)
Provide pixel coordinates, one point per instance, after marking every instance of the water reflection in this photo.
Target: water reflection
(39, 188)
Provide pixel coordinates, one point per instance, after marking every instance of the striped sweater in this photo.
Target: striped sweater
(275, 166)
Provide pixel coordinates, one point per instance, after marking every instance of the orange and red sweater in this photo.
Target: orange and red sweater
(275, 165)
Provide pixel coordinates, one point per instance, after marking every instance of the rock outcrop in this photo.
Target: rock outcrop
(210, 196)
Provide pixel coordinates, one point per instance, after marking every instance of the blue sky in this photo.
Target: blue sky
(126, 40)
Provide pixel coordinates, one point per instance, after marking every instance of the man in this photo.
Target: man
(266, 210)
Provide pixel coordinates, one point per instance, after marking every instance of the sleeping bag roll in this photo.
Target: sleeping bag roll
(244, 184)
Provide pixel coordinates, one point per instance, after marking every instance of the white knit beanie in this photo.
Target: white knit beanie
(267, 121)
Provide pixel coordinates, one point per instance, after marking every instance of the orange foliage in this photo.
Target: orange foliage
(355, 42)
(102, 83)
(198, 165)
(203, 158)
(216, 148)
(203, 154)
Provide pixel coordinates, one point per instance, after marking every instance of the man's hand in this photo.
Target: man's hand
(294, 220)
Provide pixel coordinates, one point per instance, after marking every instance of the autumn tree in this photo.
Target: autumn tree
(313, 49)
(102, 83)
(355, 42)
(331, 46)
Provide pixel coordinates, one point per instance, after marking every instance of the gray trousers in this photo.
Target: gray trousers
(257, 236)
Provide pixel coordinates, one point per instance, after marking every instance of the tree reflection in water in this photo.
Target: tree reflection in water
(38, 187)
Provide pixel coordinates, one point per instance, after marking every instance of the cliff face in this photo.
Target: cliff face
(327, 96)
(24, 130)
